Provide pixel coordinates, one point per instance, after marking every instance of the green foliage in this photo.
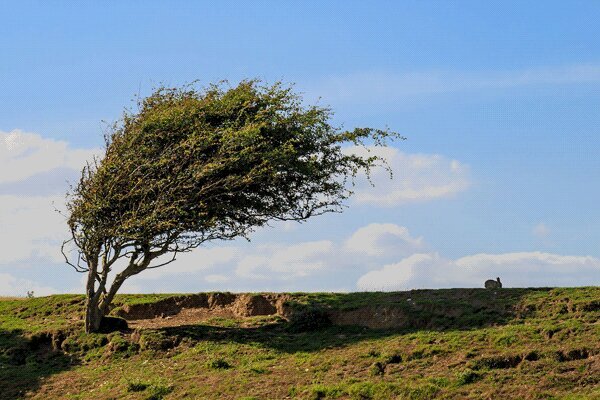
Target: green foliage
(378, 368)
(137, 386)
(467, 376)
(215, 163)
(152, 391)
(83, 342)
(219, 363)
(156, 340)
(120, 346)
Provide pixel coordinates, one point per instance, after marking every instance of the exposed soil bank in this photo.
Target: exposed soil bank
(401, 310)
(219, 304)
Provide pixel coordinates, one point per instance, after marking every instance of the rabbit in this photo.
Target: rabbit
(493, 284)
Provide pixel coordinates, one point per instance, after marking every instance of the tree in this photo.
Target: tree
(194, 165)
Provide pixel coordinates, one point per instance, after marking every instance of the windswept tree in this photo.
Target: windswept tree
(196, 165)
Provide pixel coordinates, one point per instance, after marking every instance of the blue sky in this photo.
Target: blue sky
(499, 102)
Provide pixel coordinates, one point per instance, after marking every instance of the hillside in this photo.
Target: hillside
(456, 343)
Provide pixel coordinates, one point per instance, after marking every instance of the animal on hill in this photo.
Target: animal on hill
(493, 284)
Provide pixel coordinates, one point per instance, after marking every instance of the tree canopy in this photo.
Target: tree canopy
(193, 165)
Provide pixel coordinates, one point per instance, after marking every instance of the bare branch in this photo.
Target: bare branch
(165, 263)
(77, 267)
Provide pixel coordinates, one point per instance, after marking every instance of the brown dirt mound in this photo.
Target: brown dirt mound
(247, 305)
(213, 304)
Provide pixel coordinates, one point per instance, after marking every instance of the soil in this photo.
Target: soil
(401, 312)
(187, 316)
(194, 309)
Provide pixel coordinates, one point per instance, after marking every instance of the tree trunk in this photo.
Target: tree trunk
(93, 315)
(99, 300)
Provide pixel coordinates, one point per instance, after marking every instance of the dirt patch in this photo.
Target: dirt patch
(187, 316)
(248, 305)
(165, 307)
(200, 307)
(404, 312)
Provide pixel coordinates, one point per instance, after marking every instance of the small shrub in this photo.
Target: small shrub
(259, 371)
(118, 345)
(378, 369)
(467, 376)
(158, 392)
(292, 391)
(84, 342)
(506, 340)
(318, 392)
(532, 356)
(471, 353)
(393, 359)
(219, 363)
(418, 353)
(154, 391)
(373, 353)
(426, 391)
(362, 391)
(137, 386)
(156, 341)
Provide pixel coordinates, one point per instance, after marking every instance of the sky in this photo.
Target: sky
(498, 101)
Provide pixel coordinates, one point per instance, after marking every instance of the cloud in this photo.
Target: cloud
(200, 260)
(383, 239)
(12, 286)
(287, 262)
(525, 269)
(378, 87)
(24, 155)
(30, 229)
(33, 183)
(295, 266)
(417, 178)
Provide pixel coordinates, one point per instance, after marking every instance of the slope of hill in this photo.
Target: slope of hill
(459, 343)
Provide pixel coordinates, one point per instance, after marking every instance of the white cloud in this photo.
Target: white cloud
(395, 276)
(30, 228)
(383, 239)
(526, 269)
(23, 155)
(12, 286)
(287, 262)
(32, 186)
(378, 87)
(199, 260)
(417, 178)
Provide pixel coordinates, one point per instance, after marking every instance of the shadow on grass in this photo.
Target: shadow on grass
(277, 336)
(405, 312)
(24, 362)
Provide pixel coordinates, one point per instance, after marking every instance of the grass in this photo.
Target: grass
(457, 343)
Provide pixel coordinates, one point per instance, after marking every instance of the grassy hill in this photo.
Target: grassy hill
(458, 343)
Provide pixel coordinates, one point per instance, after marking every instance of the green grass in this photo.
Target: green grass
(458, 343)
